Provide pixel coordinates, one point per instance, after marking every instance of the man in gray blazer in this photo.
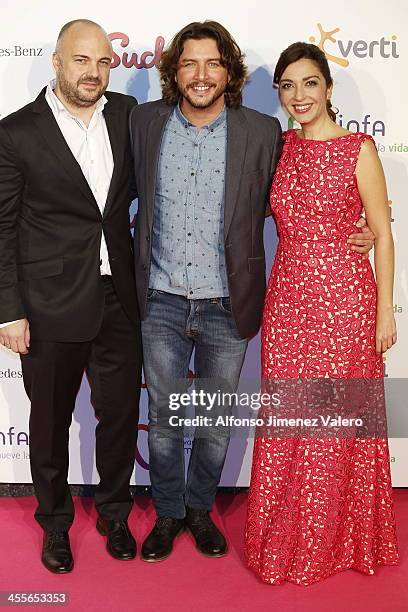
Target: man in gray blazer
(203, 167)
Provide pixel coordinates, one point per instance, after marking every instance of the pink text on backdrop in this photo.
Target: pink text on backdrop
(147, 59)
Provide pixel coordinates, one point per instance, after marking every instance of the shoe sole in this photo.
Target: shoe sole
(167, 556)
(57, 571)
(216, 556)
(102, 531)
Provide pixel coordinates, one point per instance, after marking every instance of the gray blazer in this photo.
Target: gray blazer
(254, 143)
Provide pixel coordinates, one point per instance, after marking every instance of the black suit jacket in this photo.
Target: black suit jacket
(253, 149)
(51, 226)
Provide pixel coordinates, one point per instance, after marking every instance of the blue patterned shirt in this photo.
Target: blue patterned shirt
(188, 255)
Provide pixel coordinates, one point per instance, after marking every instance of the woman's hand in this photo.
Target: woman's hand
(385, 330)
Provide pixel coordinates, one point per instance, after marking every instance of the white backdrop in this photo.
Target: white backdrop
(369, 60)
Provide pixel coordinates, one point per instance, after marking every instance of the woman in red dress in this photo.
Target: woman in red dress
(318, 506)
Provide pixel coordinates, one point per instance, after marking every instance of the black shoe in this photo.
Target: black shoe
(159, 543)
(209, 539)
(120, 543)
(56, 552)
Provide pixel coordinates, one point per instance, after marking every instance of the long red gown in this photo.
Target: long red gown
(319, 506)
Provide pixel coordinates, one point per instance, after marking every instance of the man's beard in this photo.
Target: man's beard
(74, 96)
(204, 102)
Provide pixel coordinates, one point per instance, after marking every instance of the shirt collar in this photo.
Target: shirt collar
(211, 126)
(58, 107)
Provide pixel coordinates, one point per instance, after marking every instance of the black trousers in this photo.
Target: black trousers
(52, 374)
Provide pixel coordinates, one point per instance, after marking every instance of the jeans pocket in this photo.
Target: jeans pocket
(151, 293)
(224, 305)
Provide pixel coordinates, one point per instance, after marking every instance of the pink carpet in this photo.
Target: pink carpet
(185, 581)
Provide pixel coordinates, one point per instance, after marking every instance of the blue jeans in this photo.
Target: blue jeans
(173, 327)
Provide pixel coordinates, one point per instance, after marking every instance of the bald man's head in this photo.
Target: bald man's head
(82, 60)
(77, 24)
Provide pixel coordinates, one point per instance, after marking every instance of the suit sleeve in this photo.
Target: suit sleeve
(276, 153)
(133, 189)
(133, 184)
(11, 189)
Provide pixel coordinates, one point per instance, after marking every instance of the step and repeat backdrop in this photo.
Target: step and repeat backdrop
(367, 46)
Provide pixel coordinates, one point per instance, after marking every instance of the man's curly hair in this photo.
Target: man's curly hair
(231, 58)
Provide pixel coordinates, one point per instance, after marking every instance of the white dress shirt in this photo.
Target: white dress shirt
(92, 149)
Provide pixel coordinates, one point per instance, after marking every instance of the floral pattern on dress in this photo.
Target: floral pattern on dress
(319, 506)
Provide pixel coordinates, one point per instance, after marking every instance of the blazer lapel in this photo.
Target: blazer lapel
(50, 131)
(117, 151)
(154, 138)
(237, 137)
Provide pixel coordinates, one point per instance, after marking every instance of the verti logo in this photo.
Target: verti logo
(361, 49)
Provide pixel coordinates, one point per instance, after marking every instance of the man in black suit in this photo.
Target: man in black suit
(203, 167)
(67, 291)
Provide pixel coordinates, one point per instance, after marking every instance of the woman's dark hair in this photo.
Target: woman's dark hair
(302, 50)
(231, 58)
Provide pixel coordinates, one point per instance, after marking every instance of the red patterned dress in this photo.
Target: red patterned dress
(319, 506)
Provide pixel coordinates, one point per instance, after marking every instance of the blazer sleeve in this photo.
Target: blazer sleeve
(11, 189)
(133, 183)
(277, 147)
(276, 153)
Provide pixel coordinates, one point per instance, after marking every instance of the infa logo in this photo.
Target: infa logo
(385, 48)
(12, 437)
(366, 124)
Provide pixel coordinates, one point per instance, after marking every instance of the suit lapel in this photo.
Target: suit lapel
(237, 137)
(117, 146)
(154, 138)
(50, 131)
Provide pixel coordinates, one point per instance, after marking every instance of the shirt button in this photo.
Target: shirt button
(189, 263)
(191, 292)
(192, 174)
(100, 262)
(189, 234)
(148, 238)
(144, 267)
